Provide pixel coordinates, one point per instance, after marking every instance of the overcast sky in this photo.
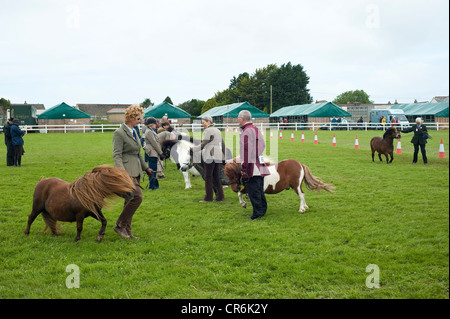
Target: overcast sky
(95, 51)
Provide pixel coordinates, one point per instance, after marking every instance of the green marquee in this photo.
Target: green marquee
(327, 109)
(232, 111)
(158, 111)
(63, 111)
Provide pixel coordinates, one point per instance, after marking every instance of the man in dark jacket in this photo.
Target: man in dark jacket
(419, 139)
(8, 143)
(253, 169)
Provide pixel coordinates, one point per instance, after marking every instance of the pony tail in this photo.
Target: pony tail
(50, 223)
(315, 184)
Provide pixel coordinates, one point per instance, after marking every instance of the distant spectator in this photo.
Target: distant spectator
(153, 150)
(17, 142)
(419, 139)
(8, 143)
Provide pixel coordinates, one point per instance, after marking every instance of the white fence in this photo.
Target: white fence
(87, 128)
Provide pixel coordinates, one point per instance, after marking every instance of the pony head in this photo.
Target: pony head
(180, 151)
(391, 133)
(233, 171)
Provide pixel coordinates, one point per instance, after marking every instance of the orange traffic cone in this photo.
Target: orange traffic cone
(292, 136)
(303, 137)
(226, 131)
(356, 143)
(441, 150)
(271, 135)
(315, 139)
(334, 140)
(281, 135)
(399, 147)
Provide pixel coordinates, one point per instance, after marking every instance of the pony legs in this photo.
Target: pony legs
(187, 180)
(102, 219)
(300, 193)
(242, 201)
(34, 213)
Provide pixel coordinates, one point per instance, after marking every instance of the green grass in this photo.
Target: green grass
(395, 216)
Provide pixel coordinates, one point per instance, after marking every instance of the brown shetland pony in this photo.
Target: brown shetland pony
(59, 200)
(283, 176)
(384, 145)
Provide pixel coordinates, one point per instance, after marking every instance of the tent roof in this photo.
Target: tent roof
(327, 109)
(436, 109)
(232, 110)
(63, 111)
(158, 111)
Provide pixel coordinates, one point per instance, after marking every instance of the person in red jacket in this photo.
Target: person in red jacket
(253, 168)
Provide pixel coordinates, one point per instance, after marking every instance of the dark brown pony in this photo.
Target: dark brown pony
(283, 176)
(59, 200)
(384, 145)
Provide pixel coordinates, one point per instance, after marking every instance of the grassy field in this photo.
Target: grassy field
(395, 216)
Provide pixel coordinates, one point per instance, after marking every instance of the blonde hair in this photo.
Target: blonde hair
(132, 112)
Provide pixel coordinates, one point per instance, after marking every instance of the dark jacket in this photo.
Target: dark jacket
(419, 133)
(7, 132)
(16, 135)
(252, 146)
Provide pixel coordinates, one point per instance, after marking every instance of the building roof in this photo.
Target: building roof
(117, 111)
(327, 109)
(438, 99)
(172, 112)
(232, 111)
(63, 111)
(37, 106)
(415, 109)
(99, 109)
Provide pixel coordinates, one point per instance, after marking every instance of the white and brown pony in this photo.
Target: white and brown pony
(283, 176)
(59, 200)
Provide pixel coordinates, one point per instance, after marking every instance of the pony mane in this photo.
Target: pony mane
(102, 182)
(232, 170)
(389, 132)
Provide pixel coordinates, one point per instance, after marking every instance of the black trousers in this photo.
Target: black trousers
(212, 181)
(9, 153)
(255, 190)
(422, 150)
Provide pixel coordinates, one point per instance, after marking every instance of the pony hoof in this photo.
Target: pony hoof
(244, 205)
(26, 232)
(99, 238)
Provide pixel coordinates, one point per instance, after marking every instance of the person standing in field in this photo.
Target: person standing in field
(253, 168)
(419, 139)
(127, 155)
(17, 142)
(8, 142)
(153, 150)
(212, 150)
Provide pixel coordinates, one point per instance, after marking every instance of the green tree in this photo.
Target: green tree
(147, 102)
(193, 107)
(211, 103)
(289, 87)
(168, 100)
(353, 96)
(289, 84)
(5, 105)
